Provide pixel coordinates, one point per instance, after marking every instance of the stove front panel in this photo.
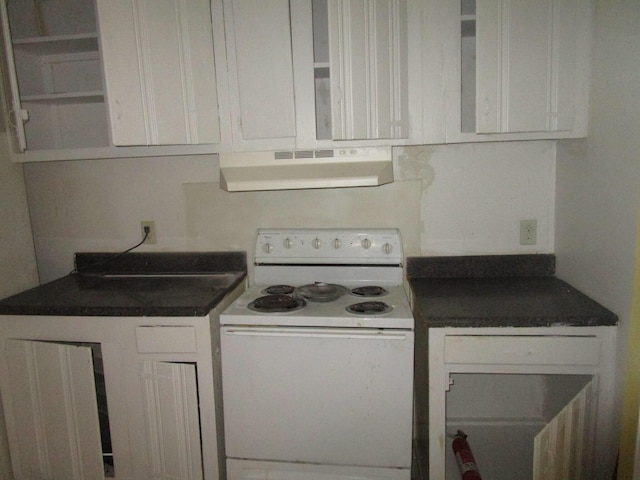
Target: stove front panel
(318, 396)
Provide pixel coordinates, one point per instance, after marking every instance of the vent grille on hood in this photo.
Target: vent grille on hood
(298, 169)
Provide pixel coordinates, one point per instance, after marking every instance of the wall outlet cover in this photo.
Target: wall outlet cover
(528, 232)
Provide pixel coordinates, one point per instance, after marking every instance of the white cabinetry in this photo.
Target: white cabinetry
(321, 73)
(259, 57)
(532, 400)
(57, 99)
(517, 69)
(55, 406)
(159, 71)
(367, 69)
(115, 397)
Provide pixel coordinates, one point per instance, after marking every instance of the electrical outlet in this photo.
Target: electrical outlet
(152, 230)
(528, 232)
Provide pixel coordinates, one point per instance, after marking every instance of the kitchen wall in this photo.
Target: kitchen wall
(454, 199)
(598, 179)
(17, 260)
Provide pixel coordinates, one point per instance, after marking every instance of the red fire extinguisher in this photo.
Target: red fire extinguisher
(464, 457)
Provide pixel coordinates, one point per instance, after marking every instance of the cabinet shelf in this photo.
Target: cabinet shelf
(95, 96)
(84, 42)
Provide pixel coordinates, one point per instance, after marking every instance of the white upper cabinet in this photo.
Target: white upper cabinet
(158, 61)
(260, 66)
(320, 73)
(127, 78)
(55, 77)
(159, 71)
(368, 69)
(518, 69)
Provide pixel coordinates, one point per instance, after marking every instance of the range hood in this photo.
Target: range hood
(298, 169)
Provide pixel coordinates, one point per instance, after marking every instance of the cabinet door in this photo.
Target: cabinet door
(368, 69)
(527, 74)
(259, 55)
(17, 115)
(563, 448)
(159, 71)
(53, 410)
(172, 420)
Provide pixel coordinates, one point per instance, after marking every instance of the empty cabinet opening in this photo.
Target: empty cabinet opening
(103, 411)
(525, 426)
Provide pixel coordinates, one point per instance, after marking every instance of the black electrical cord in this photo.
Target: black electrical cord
(147, 232)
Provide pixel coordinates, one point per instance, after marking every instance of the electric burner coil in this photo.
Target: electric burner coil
(369, 308)
(277, 304)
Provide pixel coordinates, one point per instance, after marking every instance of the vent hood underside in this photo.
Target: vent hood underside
(300, 169)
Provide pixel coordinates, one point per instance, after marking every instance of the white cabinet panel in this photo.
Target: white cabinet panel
(563, 448)
(516, 70)
(526, 61)
(159, 71)
(172, 420)
(259, 53)
(314, 73)
(522, 350)
(55, 410)
(368, 69)
(166, 339)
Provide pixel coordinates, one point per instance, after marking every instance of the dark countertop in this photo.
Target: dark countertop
(135, 284)
(498, 291)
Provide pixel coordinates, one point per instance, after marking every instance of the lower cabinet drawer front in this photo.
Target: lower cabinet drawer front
(166, 339)
(522, 350)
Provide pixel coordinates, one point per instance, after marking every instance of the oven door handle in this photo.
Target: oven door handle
(300, 333)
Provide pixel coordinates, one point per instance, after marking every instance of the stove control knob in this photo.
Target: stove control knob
(267, 248)
(366, 243)
(287, 243)
(387, 248)
(317, 243)
(337, 243)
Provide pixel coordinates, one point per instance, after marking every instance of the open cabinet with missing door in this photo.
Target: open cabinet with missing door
(532, 401)
(525, 426)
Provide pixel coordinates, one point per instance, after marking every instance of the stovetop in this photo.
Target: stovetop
(324, 313)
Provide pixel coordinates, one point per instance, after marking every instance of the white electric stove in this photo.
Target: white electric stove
(317, 359)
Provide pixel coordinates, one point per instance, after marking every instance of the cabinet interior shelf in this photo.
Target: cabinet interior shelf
(95, 96)
(84, 42)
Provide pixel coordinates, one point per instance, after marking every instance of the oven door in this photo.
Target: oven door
(318, 396)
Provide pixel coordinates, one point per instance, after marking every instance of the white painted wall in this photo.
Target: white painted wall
(598, 179)
(447, 200)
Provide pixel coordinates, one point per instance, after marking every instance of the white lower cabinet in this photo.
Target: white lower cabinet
(534, 402)
(111, 397)
(55, 408)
